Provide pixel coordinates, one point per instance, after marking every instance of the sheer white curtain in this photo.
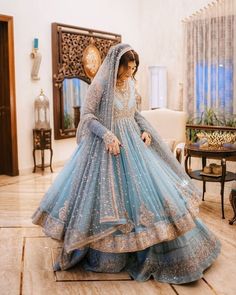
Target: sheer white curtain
(210, 59)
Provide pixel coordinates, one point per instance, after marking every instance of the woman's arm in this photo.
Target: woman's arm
(142, 123)
(89, 112)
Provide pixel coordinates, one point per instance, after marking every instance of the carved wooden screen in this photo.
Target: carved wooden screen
(76, 53)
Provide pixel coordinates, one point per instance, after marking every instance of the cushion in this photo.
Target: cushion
(169, 124)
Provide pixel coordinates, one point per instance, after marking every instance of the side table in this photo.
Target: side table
(221, 153)
(42, 141)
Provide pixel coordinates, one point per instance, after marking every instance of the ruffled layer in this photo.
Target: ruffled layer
(179, 261)
(141, 204)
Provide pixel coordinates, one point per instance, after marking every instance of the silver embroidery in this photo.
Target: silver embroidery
(64, 211)
(126, 228)
(108, 137)
(123, 97)
(136, 241)
(146, 217)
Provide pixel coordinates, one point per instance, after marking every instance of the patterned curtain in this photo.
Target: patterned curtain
(210, 55)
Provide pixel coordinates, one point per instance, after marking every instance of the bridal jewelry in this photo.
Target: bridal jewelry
(122, 86)
(123, 92)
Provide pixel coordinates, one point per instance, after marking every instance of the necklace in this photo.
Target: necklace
(123, 92)
(121, 86)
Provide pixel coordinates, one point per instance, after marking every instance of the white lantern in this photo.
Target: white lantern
(41, 106)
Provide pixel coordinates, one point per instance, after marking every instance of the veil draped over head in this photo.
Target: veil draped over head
(102, 86)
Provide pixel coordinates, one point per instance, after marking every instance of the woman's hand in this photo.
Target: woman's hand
(114, 147)
(146, 137)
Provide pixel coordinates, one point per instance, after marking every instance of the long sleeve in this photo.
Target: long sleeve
(97, 128)
(101, 131)
(89, 118)
(142, 123)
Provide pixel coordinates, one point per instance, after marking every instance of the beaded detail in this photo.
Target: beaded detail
(146, 217)
(124, 102)
(126, 228)
(108, 137)
(63, 212)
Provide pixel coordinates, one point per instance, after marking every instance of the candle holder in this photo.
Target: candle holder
(37, 57)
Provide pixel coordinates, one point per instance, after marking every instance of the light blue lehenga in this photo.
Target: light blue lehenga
(136, 211)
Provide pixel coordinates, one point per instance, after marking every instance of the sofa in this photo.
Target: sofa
(170, 125)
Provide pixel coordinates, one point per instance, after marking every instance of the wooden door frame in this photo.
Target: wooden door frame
(12, 91)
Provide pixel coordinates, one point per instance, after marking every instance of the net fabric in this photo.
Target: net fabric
(98, 118)
(165, 153)
(86, 205)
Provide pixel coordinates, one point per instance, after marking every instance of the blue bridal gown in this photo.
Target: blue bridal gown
(159, 234)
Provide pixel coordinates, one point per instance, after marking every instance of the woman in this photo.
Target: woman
(123, 201)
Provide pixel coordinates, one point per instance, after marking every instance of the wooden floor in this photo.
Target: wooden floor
(27, 255)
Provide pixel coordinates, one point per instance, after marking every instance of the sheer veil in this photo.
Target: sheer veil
(99, 101)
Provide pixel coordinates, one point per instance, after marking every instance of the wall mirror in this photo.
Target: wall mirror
(77, 54)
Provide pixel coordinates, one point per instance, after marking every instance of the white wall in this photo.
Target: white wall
(33, 18)
(161, 41)
(152, 27)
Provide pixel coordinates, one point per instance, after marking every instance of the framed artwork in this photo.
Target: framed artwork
(91, 60)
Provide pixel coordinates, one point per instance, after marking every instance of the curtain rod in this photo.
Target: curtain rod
(201, 10)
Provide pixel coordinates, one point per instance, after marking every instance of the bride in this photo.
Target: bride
(122, 201)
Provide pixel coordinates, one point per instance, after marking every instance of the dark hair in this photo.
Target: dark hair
(130, 55)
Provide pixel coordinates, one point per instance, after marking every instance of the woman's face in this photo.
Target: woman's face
(126, 73)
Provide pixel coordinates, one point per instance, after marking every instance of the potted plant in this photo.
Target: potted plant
(210, 122)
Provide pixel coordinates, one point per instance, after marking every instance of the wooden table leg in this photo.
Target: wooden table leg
(51, 153)
(186, 165)
(34, 161)
(232, 199)
(204, 183)
(42, 159)
(223, 165)
(204, 190)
